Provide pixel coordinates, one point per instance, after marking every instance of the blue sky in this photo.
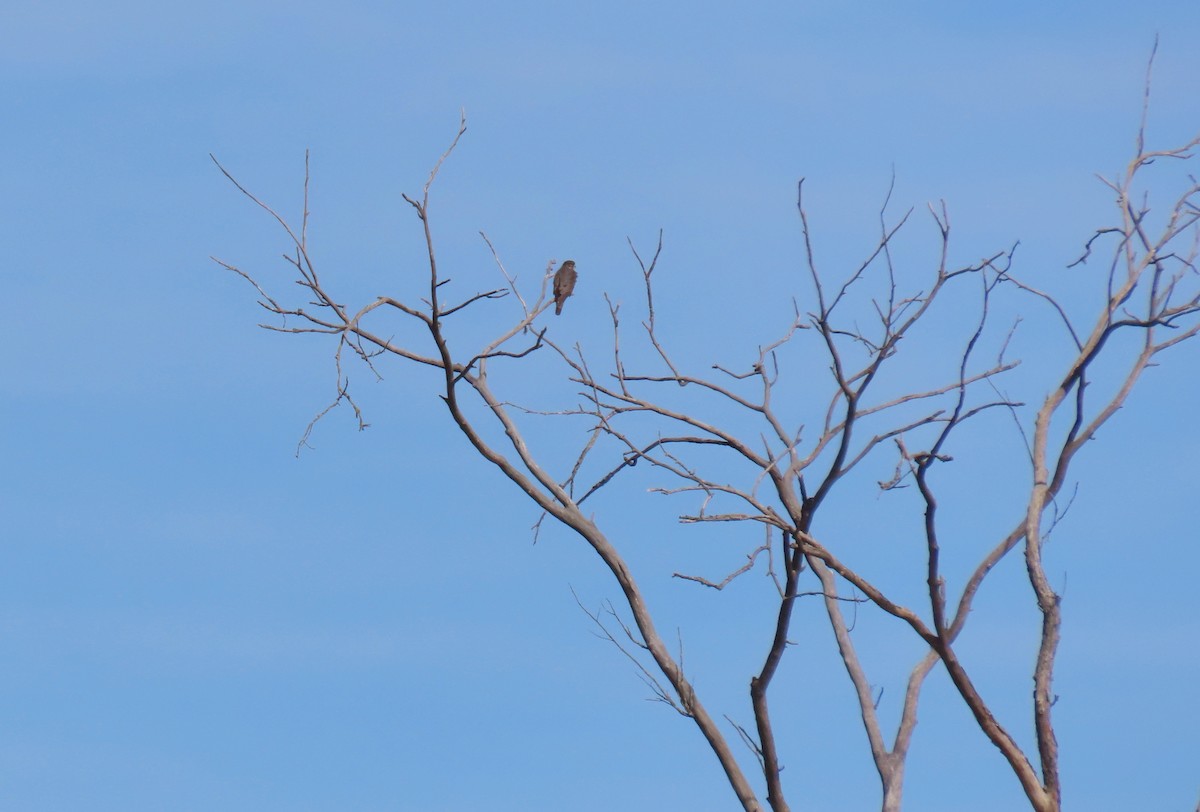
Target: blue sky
(193, 618)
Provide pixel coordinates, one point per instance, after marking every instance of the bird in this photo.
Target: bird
(564, 284)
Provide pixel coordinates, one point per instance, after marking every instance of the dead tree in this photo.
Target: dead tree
(1141, 279)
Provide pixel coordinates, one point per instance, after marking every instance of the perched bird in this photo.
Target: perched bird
(564, 284)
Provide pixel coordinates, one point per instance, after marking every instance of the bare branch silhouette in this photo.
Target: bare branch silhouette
(737, 442)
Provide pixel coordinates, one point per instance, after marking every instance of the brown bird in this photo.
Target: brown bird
(564, 284)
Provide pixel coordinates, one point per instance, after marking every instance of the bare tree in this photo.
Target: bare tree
(649, 411)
